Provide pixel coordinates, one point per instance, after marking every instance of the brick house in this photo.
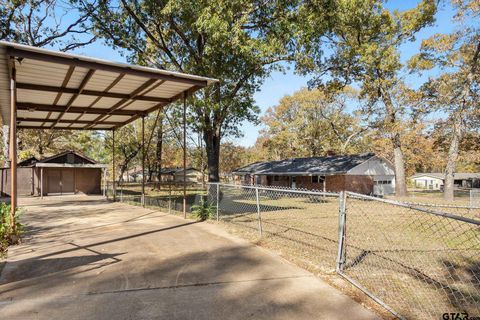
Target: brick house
(362, 173)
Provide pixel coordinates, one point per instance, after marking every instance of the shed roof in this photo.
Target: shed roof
(28, 162)
(61, 160)
(65, 91)
(58, 156)
(312, 165)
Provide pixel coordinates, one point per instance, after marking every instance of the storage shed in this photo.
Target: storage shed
(68, 172)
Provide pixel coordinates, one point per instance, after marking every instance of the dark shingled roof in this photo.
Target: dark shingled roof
(313, 165)
(27, 162)
(58, 158)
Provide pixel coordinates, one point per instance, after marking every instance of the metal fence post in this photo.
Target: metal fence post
(342, 220)
(121, 192)
(169, 198)
(218, 199)
(260, 229)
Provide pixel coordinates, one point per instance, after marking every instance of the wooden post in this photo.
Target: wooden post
(114, 188)
(74, 180)
(13, 145)
(41, 183)
(143, 161)
(105, 182)
(185, 155)
(33, 181)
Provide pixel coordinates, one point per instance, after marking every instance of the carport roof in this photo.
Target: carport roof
(57, 90)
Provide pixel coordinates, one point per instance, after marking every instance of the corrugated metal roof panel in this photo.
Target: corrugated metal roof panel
(45, 74)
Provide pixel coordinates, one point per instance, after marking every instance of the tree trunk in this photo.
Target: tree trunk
(399, 161)
(448, 193)
(399, 164)
(212, 144)
(123, 168)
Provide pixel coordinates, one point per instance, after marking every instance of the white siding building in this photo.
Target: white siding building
(435, 180)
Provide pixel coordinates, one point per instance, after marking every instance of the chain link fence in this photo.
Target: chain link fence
(299, 223)
(165, 196)
(475, 198)
(418, 261)
(469, 211)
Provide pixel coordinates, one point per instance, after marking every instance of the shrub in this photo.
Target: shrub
(8, 235)
(203, 211)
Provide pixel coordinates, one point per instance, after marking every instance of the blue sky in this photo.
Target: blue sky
(280, 84)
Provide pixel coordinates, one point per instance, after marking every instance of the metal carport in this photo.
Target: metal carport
(44, 89)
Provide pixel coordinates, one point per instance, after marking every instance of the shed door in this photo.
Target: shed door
(54, 180)
(68, 180)
(60, 181)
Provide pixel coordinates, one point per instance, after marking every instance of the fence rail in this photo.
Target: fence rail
(165, 196)
(416, 260)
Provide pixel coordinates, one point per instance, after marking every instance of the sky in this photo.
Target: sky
(281, 84)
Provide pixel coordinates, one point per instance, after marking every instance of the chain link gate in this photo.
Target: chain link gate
(417, 262)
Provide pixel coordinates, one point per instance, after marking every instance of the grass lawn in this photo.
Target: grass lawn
(420, 264)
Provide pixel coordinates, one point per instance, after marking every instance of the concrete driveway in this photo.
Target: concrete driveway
(85, 258)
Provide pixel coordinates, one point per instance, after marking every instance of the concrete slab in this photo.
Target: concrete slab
(85, 258)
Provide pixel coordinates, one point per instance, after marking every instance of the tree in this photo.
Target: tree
(239, 42)
(41, 23)
(313, 123)
(456, 91)
(233, 157)
(363, 48)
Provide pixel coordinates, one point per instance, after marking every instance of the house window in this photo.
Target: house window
(314, 179)
(276, 178)
(383, 182)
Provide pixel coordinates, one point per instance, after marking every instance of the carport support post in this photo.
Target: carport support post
(185, 155)
(13, 144)
(143, 161)
(114, 188)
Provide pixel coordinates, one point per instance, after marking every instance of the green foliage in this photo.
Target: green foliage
(8, 235)
(314, 123)
(203, 211)
(42, 143)
(239, 42)
(363, 47)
